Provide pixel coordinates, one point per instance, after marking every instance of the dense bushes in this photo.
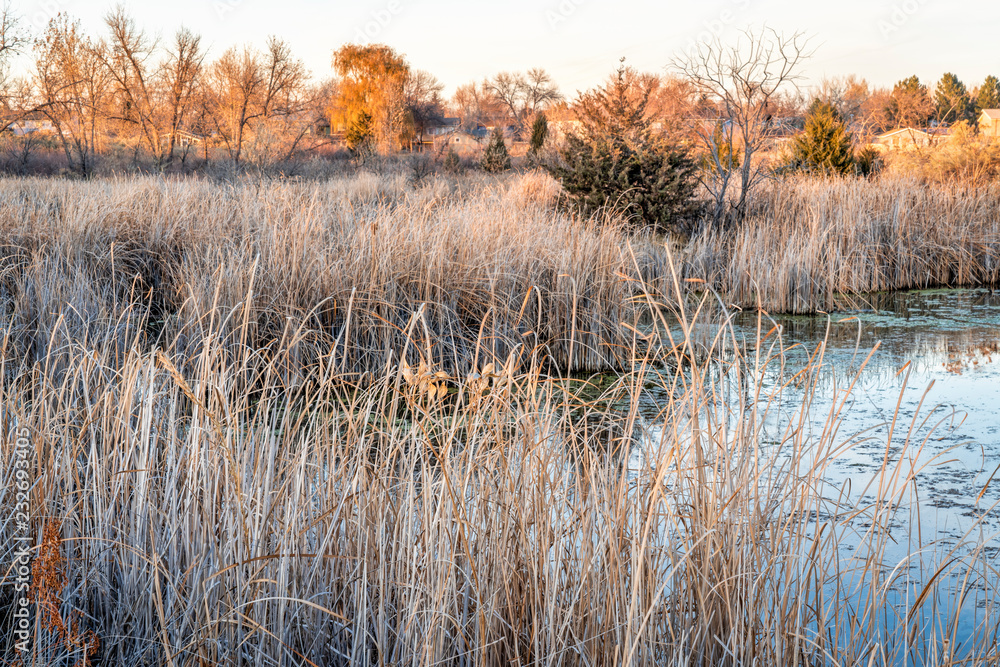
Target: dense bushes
(826, 145)
(964, 157)
(620, 162)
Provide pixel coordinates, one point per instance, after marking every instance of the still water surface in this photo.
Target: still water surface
(928, 402)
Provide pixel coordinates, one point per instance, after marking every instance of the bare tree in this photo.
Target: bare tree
(152, 92)
(672, 101)
(523, 95)
(744, 81)
(179, 77)
(847, 94)
(283, 120)
(422, 97)
(284, 78)
(475, 105)
(234, 85)
(129, 59)
(876, 114)
(12, 41)
(74, 89)
(245, 87)
(18, 148)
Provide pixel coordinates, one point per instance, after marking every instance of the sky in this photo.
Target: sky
(579, 42)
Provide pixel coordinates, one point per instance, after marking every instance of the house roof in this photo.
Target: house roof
(992, 114)
(907, 130)
(445, 122)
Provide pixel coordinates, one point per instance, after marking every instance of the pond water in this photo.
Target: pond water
(937, 368)
(928, 402)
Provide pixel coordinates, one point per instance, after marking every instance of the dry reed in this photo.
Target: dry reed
(811, 242)
(214, 509)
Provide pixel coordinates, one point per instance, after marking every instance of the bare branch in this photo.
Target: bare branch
(743, 81)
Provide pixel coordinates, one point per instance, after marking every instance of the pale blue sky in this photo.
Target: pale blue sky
(579, 41)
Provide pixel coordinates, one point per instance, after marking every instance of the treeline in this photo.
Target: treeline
(126, 94)
(127, 98)
(872, 110)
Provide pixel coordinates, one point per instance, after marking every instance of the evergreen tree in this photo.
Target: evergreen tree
(951, 100)
(825, 146)
(539, 132)
(910, 85)
(495, 157)
(360, 133)
(989, 95)
(452, 163)
(619, 161)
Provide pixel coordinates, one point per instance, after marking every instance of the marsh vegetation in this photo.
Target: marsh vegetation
(350, 422)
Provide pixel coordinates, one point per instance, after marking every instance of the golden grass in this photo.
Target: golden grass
(335, 270)
(230, 492)
(811, 240)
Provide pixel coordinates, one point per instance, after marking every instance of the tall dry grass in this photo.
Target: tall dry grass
(506, 522)
(213, 509)
(809, 241)
(334, 269)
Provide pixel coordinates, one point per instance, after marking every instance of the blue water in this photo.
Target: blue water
(917, 448)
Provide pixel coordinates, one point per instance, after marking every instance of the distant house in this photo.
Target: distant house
(427, 139)
(909, 138)
(442, 126)
(465, 144)
(185, 138)
(510, 132)
(32, 123)
(989, 123)
(781, 132)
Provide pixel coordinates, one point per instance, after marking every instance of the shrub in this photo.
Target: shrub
(422, 167)
(619, 163)
(539, 133)
(360, 134)
(964, 157)
(868, 162)
(495, 157)
(452, 163)
(825, 146)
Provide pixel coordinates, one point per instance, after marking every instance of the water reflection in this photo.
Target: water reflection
(937, 368)
(920, 430)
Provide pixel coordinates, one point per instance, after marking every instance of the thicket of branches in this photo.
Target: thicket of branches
(129, 93)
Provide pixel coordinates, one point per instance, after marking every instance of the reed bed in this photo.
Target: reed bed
(335, 269)
(211, 485)
(502, 520)
(812, 242)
